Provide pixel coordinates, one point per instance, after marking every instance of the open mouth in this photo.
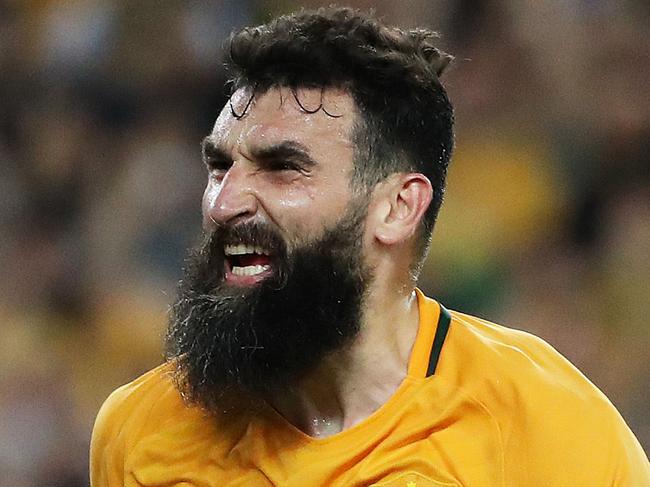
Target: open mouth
(244, 260)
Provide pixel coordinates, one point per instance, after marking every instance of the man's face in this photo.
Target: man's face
(280, 280)
(279, 166)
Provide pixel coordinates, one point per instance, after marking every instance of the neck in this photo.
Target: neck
(352, 383)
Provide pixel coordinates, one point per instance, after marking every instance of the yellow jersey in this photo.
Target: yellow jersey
(481, 405)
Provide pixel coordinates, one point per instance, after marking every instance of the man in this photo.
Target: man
(300, 352)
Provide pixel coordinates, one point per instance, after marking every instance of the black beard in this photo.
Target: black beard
(234, 345)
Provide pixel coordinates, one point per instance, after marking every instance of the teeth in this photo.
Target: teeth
(242, 249)
(250, 270)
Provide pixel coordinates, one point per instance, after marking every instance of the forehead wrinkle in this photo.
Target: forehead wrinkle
(273, 122)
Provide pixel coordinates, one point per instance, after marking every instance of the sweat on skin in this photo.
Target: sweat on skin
(298, 199)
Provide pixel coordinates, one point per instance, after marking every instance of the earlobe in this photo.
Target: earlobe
(402, 208)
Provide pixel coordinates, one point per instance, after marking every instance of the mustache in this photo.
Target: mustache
(249, 232)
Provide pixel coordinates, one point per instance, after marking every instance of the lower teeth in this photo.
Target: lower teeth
(250, 270)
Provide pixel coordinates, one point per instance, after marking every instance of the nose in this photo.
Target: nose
(230, 199)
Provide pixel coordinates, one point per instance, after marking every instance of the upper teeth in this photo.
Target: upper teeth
(243, 249)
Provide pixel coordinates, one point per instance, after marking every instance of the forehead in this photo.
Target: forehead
(312, 117)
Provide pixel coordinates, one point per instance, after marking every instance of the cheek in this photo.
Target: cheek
(328, 194)
(305, 212)
(294, 199)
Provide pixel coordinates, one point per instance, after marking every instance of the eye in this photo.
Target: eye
(281, 165)
(217, 168)
(216, 175)
(217, 164)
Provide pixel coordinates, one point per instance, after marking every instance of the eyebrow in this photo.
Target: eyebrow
(211, 151)
(284, 150)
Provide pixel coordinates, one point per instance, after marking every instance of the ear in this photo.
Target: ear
(400, 207)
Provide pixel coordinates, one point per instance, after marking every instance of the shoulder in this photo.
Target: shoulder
(512, 368)
(548, 412)
(499, 364)
(141, 398)
(512, 354)
(127, 415)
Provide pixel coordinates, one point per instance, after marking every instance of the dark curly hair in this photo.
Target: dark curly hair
(406, 119)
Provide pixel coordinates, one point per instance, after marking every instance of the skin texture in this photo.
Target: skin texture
(301, 199)
(285, 198)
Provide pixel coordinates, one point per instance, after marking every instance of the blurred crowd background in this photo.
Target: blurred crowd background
(103, 103)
